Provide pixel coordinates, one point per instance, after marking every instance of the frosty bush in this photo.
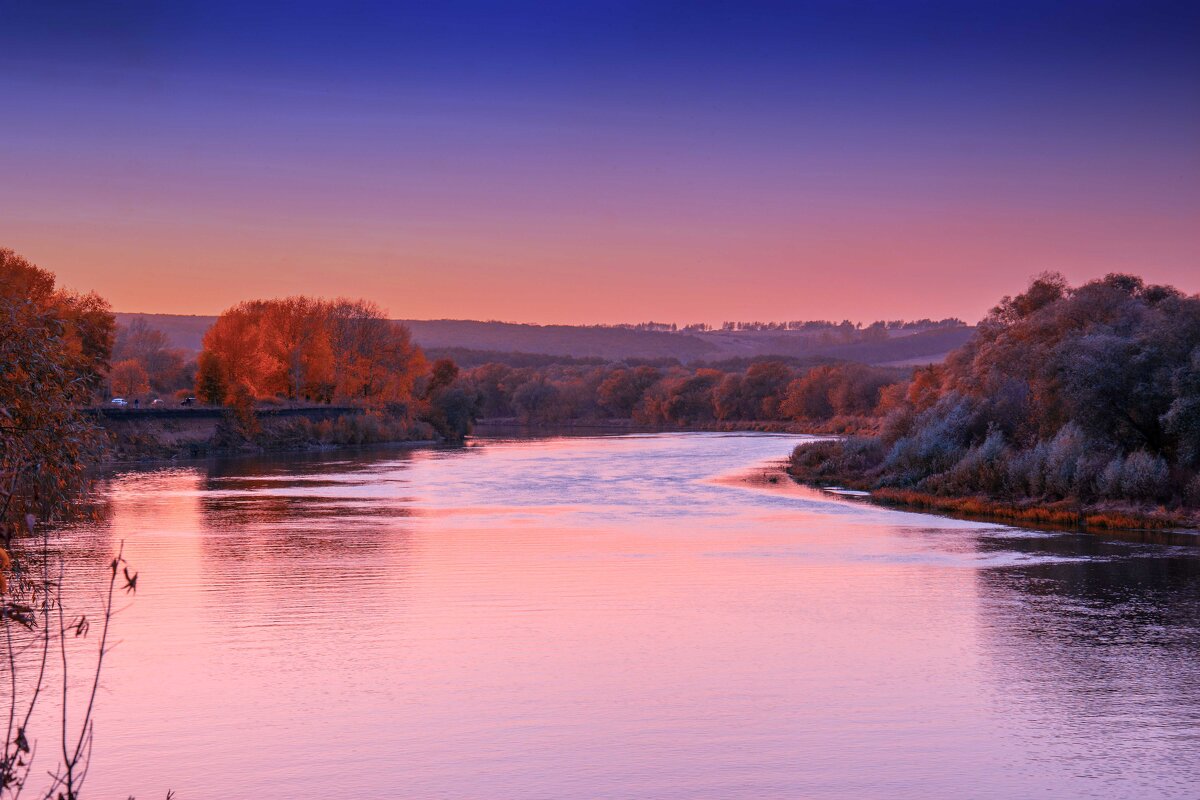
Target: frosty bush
(1144, 477)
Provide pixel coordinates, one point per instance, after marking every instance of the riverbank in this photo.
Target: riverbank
(204, 433)
(1107, 516)
(201, 432)
(810, 466)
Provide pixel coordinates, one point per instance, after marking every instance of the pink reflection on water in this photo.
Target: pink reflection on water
(575, 618)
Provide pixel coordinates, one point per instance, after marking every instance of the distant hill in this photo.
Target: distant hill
(615, 343)
(559, 340)
(933, 345)
(184, 331)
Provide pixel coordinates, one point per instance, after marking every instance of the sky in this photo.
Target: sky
(587, 162)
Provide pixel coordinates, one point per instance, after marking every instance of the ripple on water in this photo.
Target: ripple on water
(616, 617)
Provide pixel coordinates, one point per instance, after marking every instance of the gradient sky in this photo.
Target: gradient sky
(600, 162)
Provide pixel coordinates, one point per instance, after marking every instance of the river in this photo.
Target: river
(621, 617)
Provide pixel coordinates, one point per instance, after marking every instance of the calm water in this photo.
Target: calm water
(615, 618)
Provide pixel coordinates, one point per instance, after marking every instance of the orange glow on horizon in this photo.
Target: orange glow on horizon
(875, 270)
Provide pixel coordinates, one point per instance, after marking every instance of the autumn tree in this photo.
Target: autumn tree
(495, 386)
(129, 378)
(764, 386)
(729, 399)
(808, 397)
(304, 348)
(210, 379)
(54, 349)
(681, 399)
(165, 366)
(764, 391)
(623, 389)
(373, 358)
(233, 353)
(451, 403)
(298, 357)
(538, 400)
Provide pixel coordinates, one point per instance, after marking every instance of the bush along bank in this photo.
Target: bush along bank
(1069, 406)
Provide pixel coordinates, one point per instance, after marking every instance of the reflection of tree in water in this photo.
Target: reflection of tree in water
(280, 535)
(1102, 645)
(300, 465)
(285, 490)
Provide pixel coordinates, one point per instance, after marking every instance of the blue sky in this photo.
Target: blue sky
(863, 159)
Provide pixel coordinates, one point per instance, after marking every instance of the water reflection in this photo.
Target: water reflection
(616, 617)
(1098, 662)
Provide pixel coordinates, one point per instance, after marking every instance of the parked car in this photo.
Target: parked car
(188, 401)
(156, 401)
(119, 401)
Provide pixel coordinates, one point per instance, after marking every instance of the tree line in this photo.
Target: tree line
(790, 325)
(305, 349)
(676, 395)
(1079, 395)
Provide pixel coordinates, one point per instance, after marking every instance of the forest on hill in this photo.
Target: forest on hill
(922, 341)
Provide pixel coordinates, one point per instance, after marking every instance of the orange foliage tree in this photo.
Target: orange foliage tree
(129, 378)
(310, 349)
(54, 348)
(373, 358)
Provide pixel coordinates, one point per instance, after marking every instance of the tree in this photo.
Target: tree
(235, 347)
(128, 378)
(620, 393)
(165, 366)
(763, 388)
(54, 349)
(210, 379)
(451, 404)
(807, 397)
(443, 373)
(537, 401)
(300, 347)
(729, 398)
(294, 337)
(689, 399)
(1182, 419)
(374, 358)
(491, 382)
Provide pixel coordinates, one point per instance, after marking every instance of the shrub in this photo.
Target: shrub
(1145, 477)
(1108, 485)
(981, 469)
(1062, 458)
(816, 460)
(897, 424)
(1088, 469)
(842, 461)
(1191, 494)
